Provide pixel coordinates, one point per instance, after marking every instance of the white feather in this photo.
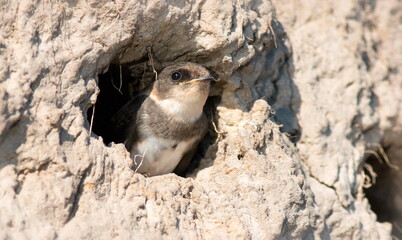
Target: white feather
(157, 155)
(186, 111)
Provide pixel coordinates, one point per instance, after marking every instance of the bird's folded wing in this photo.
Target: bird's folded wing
(126, 117)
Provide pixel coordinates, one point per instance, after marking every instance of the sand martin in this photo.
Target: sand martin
(161, 130)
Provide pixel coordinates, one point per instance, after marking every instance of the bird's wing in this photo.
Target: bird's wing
(125, 119)
(185, 162)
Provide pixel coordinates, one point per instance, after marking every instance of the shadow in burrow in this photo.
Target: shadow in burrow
(383, 174)
(121, 82)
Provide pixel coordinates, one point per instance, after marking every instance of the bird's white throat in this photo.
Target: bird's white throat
(186, 111)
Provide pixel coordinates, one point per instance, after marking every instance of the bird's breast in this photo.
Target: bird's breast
(155, 155)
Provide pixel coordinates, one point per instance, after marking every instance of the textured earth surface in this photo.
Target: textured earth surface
(305, 122)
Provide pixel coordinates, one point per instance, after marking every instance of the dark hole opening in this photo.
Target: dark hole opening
(118, 86)
(384, 191)
(114, 93)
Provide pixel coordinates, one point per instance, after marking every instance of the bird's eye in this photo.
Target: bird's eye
(176, 76)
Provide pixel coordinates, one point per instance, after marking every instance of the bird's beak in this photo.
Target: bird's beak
(200, 78)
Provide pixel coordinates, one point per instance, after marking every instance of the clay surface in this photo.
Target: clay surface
(309, 92)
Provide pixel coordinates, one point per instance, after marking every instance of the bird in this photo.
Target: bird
(162, 129)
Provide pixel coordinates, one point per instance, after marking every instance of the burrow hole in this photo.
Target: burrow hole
(383, 186)
(118, 85)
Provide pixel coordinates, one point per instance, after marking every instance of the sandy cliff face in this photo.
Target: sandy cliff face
(308, 94)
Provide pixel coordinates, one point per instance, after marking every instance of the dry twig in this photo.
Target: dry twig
(273, 33)
(369, 180)
(152, 62)
(92, 120)
(121, 82)
(142, 160)
(220, 134)
(386, 159)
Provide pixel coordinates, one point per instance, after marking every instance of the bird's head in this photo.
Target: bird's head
(182, 90)
(186, 82)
